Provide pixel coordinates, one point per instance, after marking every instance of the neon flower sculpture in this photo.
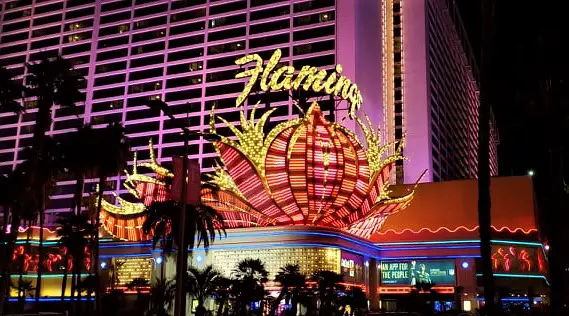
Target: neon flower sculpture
(306, 171)
(124, 221)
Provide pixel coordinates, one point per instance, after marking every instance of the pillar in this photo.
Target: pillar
(373, 285)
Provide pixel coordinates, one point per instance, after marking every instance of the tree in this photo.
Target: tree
(113, 150)
(25, 289)
(11, 92)
(52, 81)
(292, 282)
(484, 202)
(249, 286)
(162, 293)
(201, 285)
(327, 284)
(79, 159)
(138, 284)
(356, 299)
(90, 285)
(113, 302)
(222, 291)
(158, 223)
(203, 223)
(75, 233)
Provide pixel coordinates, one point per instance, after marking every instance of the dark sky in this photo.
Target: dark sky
(530, 54)
(530, 97)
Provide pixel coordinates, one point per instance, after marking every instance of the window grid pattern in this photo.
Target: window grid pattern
(131, 51)
(454, 100)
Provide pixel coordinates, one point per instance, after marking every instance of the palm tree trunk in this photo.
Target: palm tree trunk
(293, 306)
(277, 301)
(23, 258)
(40, 249)
(64, 279)
(77, 266)
(484, 202)
(5, 280)
(79, 193)
(96, 247)
(221, 306)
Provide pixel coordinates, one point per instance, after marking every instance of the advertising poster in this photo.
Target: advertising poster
(413, 272)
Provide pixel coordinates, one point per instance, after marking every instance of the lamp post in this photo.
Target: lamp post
(182, 258)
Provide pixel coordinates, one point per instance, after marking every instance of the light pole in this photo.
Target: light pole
(182, 258)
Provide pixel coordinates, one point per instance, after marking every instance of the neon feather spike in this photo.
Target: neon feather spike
(306, 171)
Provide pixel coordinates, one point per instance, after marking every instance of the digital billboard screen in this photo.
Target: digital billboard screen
(413, 272)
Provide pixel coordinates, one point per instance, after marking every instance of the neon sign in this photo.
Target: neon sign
(517, 259)
(308, 78)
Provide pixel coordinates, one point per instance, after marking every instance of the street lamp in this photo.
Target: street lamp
(182, 259)
(531, 173)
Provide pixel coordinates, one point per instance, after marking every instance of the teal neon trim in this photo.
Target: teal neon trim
(466, 241)
(442, 242)
(45, 276)
(35, 242)
(521, 243)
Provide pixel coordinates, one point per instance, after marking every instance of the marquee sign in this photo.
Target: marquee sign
(305, 171)
(308, 78)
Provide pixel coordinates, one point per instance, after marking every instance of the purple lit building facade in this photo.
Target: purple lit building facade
(435, 92)
(406, 57)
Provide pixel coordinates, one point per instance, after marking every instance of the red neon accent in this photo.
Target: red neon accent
(127, 227)
(524, 257)
(315, 173)
(150, 192)
(541, 262)
(450, 230)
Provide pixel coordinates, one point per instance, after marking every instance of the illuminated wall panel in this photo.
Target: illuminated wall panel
(309, 259)
(129, 269)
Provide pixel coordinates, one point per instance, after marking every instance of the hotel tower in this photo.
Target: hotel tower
(409, 59)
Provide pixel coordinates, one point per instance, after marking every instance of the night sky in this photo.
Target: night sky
(530, 96)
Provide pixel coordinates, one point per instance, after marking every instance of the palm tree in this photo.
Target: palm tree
(289, 277)
(11, 91)
(203, 224)
(78, 158)
(53, 82)
(162, 293)
(250, 276)
(158, 223)
(201, 285)
(222, 290)
(138, 284)
(113, 301)
(327, 284)
(49, 166)
(114, 152)
(484, 201)
(90, 285)
(75, 233)
(25, 289)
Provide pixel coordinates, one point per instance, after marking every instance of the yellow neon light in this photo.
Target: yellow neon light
(309, 78)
